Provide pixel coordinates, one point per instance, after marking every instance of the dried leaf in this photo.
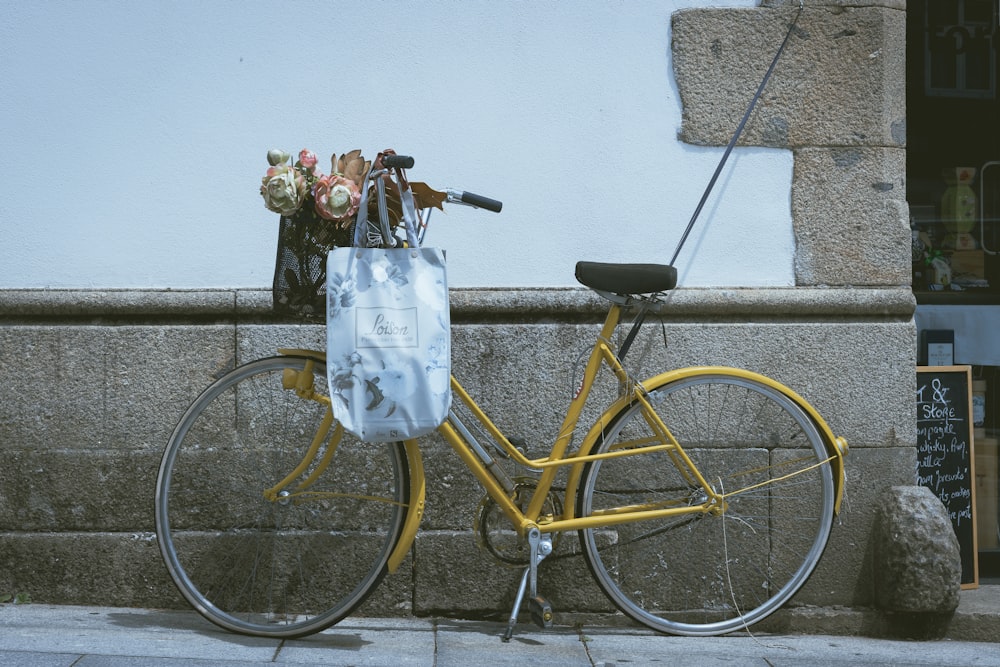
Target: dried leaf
(426, 197)
(423, 195)
(351, 165)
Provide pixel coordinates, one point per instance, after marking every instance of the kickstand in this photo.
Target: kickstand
(541, 610)
(512, 621)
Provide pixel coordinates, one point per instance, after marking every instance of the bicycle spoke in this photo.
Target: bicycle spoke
(769, 491)
(265, 527)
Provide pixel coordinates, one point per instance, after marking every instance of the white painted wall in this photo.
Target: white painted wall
(134, 136)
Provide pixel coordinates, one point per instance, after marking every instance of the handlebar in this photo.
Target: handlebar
(392, 161)
(402, 161)
(472, 199)
(389, 160)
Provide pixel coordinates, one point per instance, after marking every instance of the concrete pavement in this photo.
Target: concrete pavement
(40, 635)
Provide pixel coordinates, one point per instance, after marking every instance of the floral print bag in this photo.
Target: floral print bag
(388, 330)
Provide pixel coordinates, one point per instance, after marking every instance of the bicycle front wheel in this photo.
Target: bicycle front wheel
(255, 545)
(710, 573)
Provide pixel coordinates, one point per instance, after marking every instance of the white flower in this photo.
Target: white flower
(276, 157)
(283, 189)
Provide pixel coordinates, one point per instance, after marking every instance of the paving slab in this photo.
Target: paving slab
(366, 641)
(126, 633)
(38, 635)
(609, 648)
(463, 643)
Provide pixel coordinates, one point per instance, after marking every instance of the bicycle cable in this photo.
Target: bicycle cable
(735, 138)
(729, 579)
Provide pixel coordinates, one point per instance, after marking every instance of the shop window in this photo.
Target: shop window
(958, 57)
(953, 190)
(953, 147)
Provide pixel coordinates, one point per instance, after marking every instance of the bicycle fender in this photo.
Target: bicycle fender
(836, 447)
(415, 512)
(301, 352)
(418, 486)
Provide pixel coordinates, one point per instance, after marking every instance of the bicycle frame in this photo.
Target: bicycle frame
(499, 488)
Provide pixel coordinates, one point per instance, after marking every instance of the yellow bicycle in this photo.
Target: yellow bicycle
(703, 497)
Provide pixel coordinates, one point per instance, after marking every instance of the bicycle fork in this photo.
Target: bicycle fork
(539, 546)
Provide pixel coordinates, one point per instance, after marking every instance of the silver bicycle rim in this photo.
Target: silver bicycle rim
(598, 545)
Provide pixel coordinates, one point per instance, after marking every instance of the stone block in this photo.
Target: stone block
(844, 370)
(78, 490)
(850, 216)
(845, 573)
(892, 4)
(126, 570)
(103, 387)
(918, 564)
(254, 341)
(393, 596)
(179, 305)
(254, 302)
(453, 574)
(453, 493)
(524, 376)
(839, 82)
(113, 569)
(522, 373)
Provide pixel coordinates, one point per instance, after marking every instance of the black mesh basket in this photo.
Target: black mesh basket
(300, 268)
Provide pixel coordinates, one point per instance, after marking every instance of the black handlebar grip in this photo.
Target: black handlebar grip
(401, 161)
(481, 201)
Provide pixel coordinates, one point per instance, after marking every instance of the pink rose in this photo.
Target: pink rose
(307, 159)
(337, 198)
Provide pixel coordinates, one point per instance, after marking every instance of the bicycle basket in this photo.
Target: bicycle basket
(299, 288)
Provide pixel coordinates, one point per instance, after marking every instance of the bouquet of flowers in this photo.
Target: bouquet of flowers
(299, 189)
(317, 212)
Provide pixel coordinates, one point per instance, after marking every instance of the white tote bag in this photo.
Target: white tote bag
(388, 338)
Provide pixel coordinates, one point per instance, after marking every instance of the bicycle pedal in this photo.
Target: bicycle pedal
(541, 611)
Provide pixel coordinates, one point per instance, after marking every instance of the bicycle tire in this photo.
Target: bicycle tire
(290, 567)
(710, 574)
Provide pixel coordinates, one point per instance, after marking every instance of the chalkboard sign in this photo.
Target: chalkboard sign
(945, 462)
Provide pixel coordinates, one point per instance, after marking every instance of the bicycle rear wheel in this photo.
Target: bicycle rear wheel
(710, 573)
(297, 563)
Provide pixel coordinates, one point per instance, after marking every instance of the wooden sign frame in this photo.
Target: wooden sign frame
(946, 458)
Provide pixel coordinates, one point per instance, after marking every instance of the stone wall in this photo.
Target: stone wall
(94, 381)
